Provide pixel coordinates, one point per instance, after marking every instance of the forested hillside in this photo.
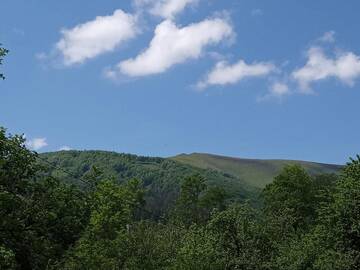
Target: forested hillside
(76, 216)
(255, 172)
(161, 177)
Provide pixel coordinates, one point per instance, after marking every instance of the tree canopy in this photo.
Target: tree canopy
(51, 222)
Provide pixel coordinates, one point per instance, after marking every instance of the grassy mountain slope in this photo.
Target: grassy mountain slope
(161, 177)
(255, 172)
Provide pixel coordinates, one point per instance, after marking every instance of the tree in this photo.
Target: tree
(290, 198)
(334, 240)
(104, 244)
(240, 238)
(197, 251)
(40, 216)
(153, 245)
(17, 168)
(340, 220)
(3, 52)
(196, 201)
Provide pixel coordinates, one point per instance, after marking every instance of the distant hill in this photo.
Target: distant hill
(161, 177)
(255, 172)
(241, 178)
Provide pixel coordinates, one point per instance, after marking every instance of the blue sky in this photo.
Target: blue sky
(246, 78)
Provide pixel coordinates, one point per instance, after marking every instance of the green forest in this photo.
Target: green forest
(78, 210)
(85, 218)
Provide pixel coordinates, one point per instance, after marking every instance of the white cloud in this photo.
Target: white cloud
(103, 34)
(223, 73)
(169, 8)
(36, 143)
(344, 67)
(172, 45)
(65, 148)
(328, 37)
(279, 89)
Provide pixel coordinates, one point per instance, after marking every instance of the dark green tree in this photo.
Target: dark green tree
(290, 199)
(40, 217)
(153, 245)
(196, 201)
(240, 238)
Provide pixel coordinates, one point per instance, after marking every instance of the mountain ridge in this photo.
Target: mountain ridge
(256, 172)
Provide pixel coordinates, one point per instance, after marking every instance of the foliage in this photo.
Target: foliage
(7, 259)
(161, 178)
(52, 220)
(41, 217)
(196, 201)
(291, 194)
(3, 52)
(255, 172)
(104, 241)
(197, 250)
(235, 230)
(153, 245)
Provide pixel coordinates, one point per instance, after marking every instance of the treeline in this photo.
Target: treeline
(160, 177)
(305, 222)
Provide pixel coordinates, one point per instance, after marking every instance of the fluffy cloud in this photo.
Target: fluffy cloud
(36, 143)
(172, 45)
(345, 67)
(104, 34)
(223, 73)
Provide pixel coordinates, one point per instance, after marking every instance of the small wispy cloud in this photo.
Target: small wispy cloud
(279, 89)
(36, 143)
(328, 37)
(224, 73)
(166, 9)
(41, 56)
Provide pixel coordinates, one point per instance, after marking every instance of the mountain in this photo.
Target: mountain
(255, 172)
(161, 177)
(242, 179)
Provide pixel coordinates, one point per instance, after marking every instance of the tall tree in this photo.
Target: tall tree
(291, 198)
(196, 201)
(105, 241)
